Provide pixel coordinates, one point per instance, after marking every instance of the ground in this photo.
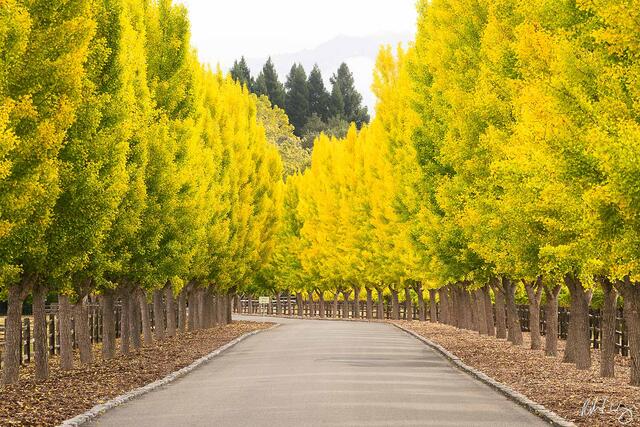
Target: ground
(309, 372)
(558, 386)
(66, 394)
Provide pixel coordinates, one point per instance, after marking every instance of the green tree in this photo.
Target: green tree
(268, 84)
(240, 72)
(319, 98)
(41, 90)
(335, 126)
(297, 99)
(279, 132)
(345, 99)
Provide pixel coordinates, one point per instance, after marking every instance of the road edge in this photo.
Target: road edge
(522, 400)
(100, 409)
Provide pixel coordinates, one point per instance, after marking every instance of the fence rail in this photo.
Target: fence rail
(53, 329)
(345, 310)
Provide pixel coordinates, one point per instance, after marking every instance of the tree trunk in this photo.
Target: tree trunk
(125, 321)
(551, 320)
(250, 304)
(13, 326)
(369, 303)
(158, 315)
(481, 313)
(501, 321)
(395, 305)
(471, 310)
(334, 310)
(445, 315)
(108, 326)
(83, 336)
(345, 307)
(221, 317)
(459, 317)
(201, 308)
(192, 302)
(408, 307)
(433, 307)
(182, 310)
(578, 348)
(171, 309)
(146, 319)
(228, 309)
(422, 315)
(534, 295)
(299, 303)
(608, 329)
(134, 316)
(356, 302)
(488, 310)
(322, 305)
(66, 343)
(40, 345)
(631, 297)
(278, 305)
(515, 331)
(289, 304)
(380, 309)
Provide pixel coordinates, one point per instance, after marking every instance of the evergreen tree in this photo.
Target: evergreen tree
(352, 109)
(336, 107)
(268, 84)
(319, 97)
(240, 73)
(297, 100)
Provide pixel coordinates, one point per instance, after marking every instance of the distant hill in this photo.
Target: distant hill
(358, 52)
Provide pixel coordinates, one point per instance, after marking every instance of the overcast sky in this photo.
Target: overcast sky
(223, 30)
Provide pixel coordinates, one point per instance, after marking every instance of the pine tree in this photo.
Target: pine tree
(349, 101)
(297, 99)
(268, 84)
(240, 72)
(337, 105)
(318, 96)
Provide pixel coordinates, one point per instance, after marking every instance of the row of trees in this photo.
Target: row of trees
(127, 170)
(306, 100)
(503, 156)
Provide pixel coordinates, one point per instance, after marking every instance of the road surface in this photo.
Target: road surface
(324, 373)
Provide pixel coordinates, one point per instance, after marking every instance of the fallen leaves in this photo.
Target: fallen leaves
(66, 394)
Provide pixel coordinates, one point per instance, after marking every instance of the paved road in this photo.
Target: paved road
(323, 373)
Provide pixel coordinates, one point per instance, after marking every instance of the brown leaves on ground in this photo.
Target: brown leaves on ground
(558, 386)
(67, 394)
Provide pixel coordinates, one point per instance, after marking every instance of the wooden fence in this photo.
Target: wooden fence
(53, 329)
(622, 340)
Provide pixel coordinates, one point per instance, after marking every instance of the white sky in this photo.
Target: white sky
(223, 30)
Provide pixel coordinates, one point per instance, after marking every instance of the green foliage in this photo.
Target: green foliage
(346, 102)
(319, 98)
(297, 99)
(279, 132)
(315, 126)
(240, 73)
(268, 84)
